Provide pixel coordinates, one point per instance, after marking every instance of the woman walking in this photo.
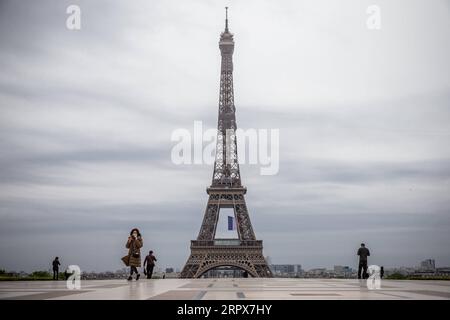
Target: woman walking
(134, 245)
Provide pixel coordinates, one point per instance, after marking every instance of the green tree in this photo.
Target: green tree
(396, 276)
(40, 274)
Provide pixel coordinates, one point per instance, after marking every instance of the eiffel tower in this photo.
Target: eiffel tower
(226, 191)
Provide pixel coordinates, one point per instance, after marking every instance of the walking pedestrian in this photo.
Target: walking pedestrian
(134, 245)
(149, 264)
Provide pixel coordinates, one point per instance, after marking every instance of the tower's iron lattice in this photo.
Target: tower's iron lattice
(226, 191)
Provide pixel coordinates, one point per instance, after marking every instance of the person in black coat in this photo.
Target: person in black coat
(363, 253)
(56, 265)
(149, 264)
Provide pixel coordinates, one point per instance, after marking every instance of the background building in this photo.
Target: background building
(286, 270)
(427, 265)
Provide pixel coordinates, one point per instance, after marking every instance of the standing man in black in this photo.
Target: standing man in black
(150, 262)
(56, 265)
(363, 253)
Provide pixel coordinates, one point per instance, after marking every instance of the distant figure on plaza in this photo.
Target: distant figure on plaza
(134, 245)
(245, 274)
(363, 253)
(56, 265)
(150, 262)
(381, 272)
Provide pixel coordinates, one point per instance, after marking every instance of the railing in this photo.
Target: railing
(226, 242)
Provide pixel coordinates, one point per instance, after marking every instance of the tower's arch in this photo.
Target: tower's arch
(207, 267)
(216, 265)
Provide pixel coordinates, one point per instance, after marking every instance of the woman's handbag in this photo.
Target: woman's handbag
(126, 260)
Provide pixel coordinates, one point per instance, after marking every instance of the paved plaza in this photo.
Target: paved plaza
(229, 289)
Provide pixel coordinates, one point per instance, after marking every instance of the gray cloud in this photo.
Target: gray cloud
(86, 119)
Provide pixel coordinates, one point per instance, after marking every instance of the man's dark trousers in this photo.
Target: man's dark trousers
(362, 267)
(149, 271)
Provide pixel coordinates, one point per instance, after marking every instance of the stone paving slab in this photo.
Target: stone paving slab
(227, 289)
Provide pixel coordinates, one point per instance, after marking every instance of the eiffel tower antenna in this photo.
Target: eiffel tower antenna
(226, 19)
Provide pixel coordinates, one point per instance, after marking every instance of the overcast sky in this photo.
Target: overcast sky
(86, 119)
